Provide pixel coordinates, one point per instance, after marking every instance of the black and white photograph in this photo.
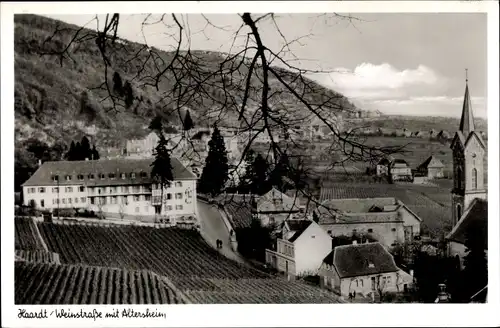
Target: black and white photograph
(252, 157)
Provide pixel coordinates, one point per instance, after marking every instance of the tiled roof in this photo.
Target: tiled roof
(399, 163)
(361, 260)
(286, 203)
(431, 162)
(80, 172)
(356, 205)
(298, 226)
(476, 214)
(363, 218)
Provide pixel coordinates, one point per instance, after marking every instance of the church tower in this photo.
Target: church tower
(469, 151)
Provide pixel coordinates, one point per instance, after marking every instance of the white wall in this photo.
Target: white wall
(409, 220)
(114, 201)
(188, 200)
(50, 196)
(311, 248)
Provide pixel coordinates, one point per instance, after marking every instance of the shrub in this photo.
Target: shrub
(64, 212)
(26, 211)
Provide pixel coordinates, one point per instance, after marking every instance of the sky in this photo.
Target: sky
(398, 63)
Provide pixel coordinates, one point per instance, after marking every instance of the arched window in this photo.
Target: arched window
(459, 212)
(474, 179)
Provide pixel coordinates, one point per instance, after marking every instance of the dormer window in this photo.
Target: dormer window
(102, 176)
(111, 175)
(371, 265)
(132, 175)
(68, 178)
(144, 175)
(91, 176)
(123, 176)
(80, 177)
(55, 178)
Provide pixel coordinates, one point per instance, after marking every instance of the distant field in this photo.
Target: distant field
(431, 204)
(416, 123)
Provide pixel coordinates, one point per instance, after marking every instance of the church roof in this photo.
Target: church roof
(467, 120)
(477, 213)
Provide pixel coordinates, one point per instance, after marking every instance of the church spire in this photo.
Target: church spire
(467, 121)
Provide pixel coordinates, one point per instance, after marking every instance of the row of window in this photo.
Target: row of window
(119, 189)
(101, 176)
(168, 196)
(76, 200)
(354, 231)
(176, 184)
(119, 199)
(55, 190)
(42, 190)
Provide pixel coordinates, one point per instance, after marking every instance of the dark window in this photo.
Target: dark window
(474, 179)
(80, 176)
(102, 176)
(393, 229)
(111, 175)
(55, 178)
(91, 176)
(370, 230)
(144, 175)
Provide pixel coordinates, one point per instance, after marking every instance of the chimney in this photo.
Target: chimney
(411, 272)
(354, 242)
(86, 158)
(39, 162)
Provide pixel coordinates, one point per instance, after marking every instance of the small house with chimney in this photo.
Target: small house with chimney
(431, 168)
(387, 220)
(364, 269)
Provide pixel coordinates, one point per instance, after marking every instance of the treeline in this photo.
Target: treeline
(30, 152)
(81, 151)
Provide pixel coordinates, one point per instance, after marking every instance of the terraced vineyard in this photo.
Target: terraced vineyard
(258, 291)
(431, 204)
(167, 261)
(37, 256)
(169, 252)
(76, 284)
(26, 236)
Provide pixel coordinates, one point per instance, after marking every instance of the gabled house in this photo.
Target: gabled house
(387, 220)
(274, 207)
(431, 168)
(364, 269)
(302, 248)
(443, 135)
(399, 170)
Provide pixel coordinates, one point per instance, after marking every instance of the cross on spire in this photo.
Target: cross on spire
(466, 75)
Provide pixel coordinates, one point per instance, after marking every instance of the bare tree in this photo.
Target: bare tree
(259, 85)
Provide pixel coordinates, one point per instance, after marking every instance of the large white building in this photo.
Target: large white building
(111, 186)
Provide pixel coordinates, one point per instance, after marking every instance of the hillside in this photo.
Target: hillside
(65, 102)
